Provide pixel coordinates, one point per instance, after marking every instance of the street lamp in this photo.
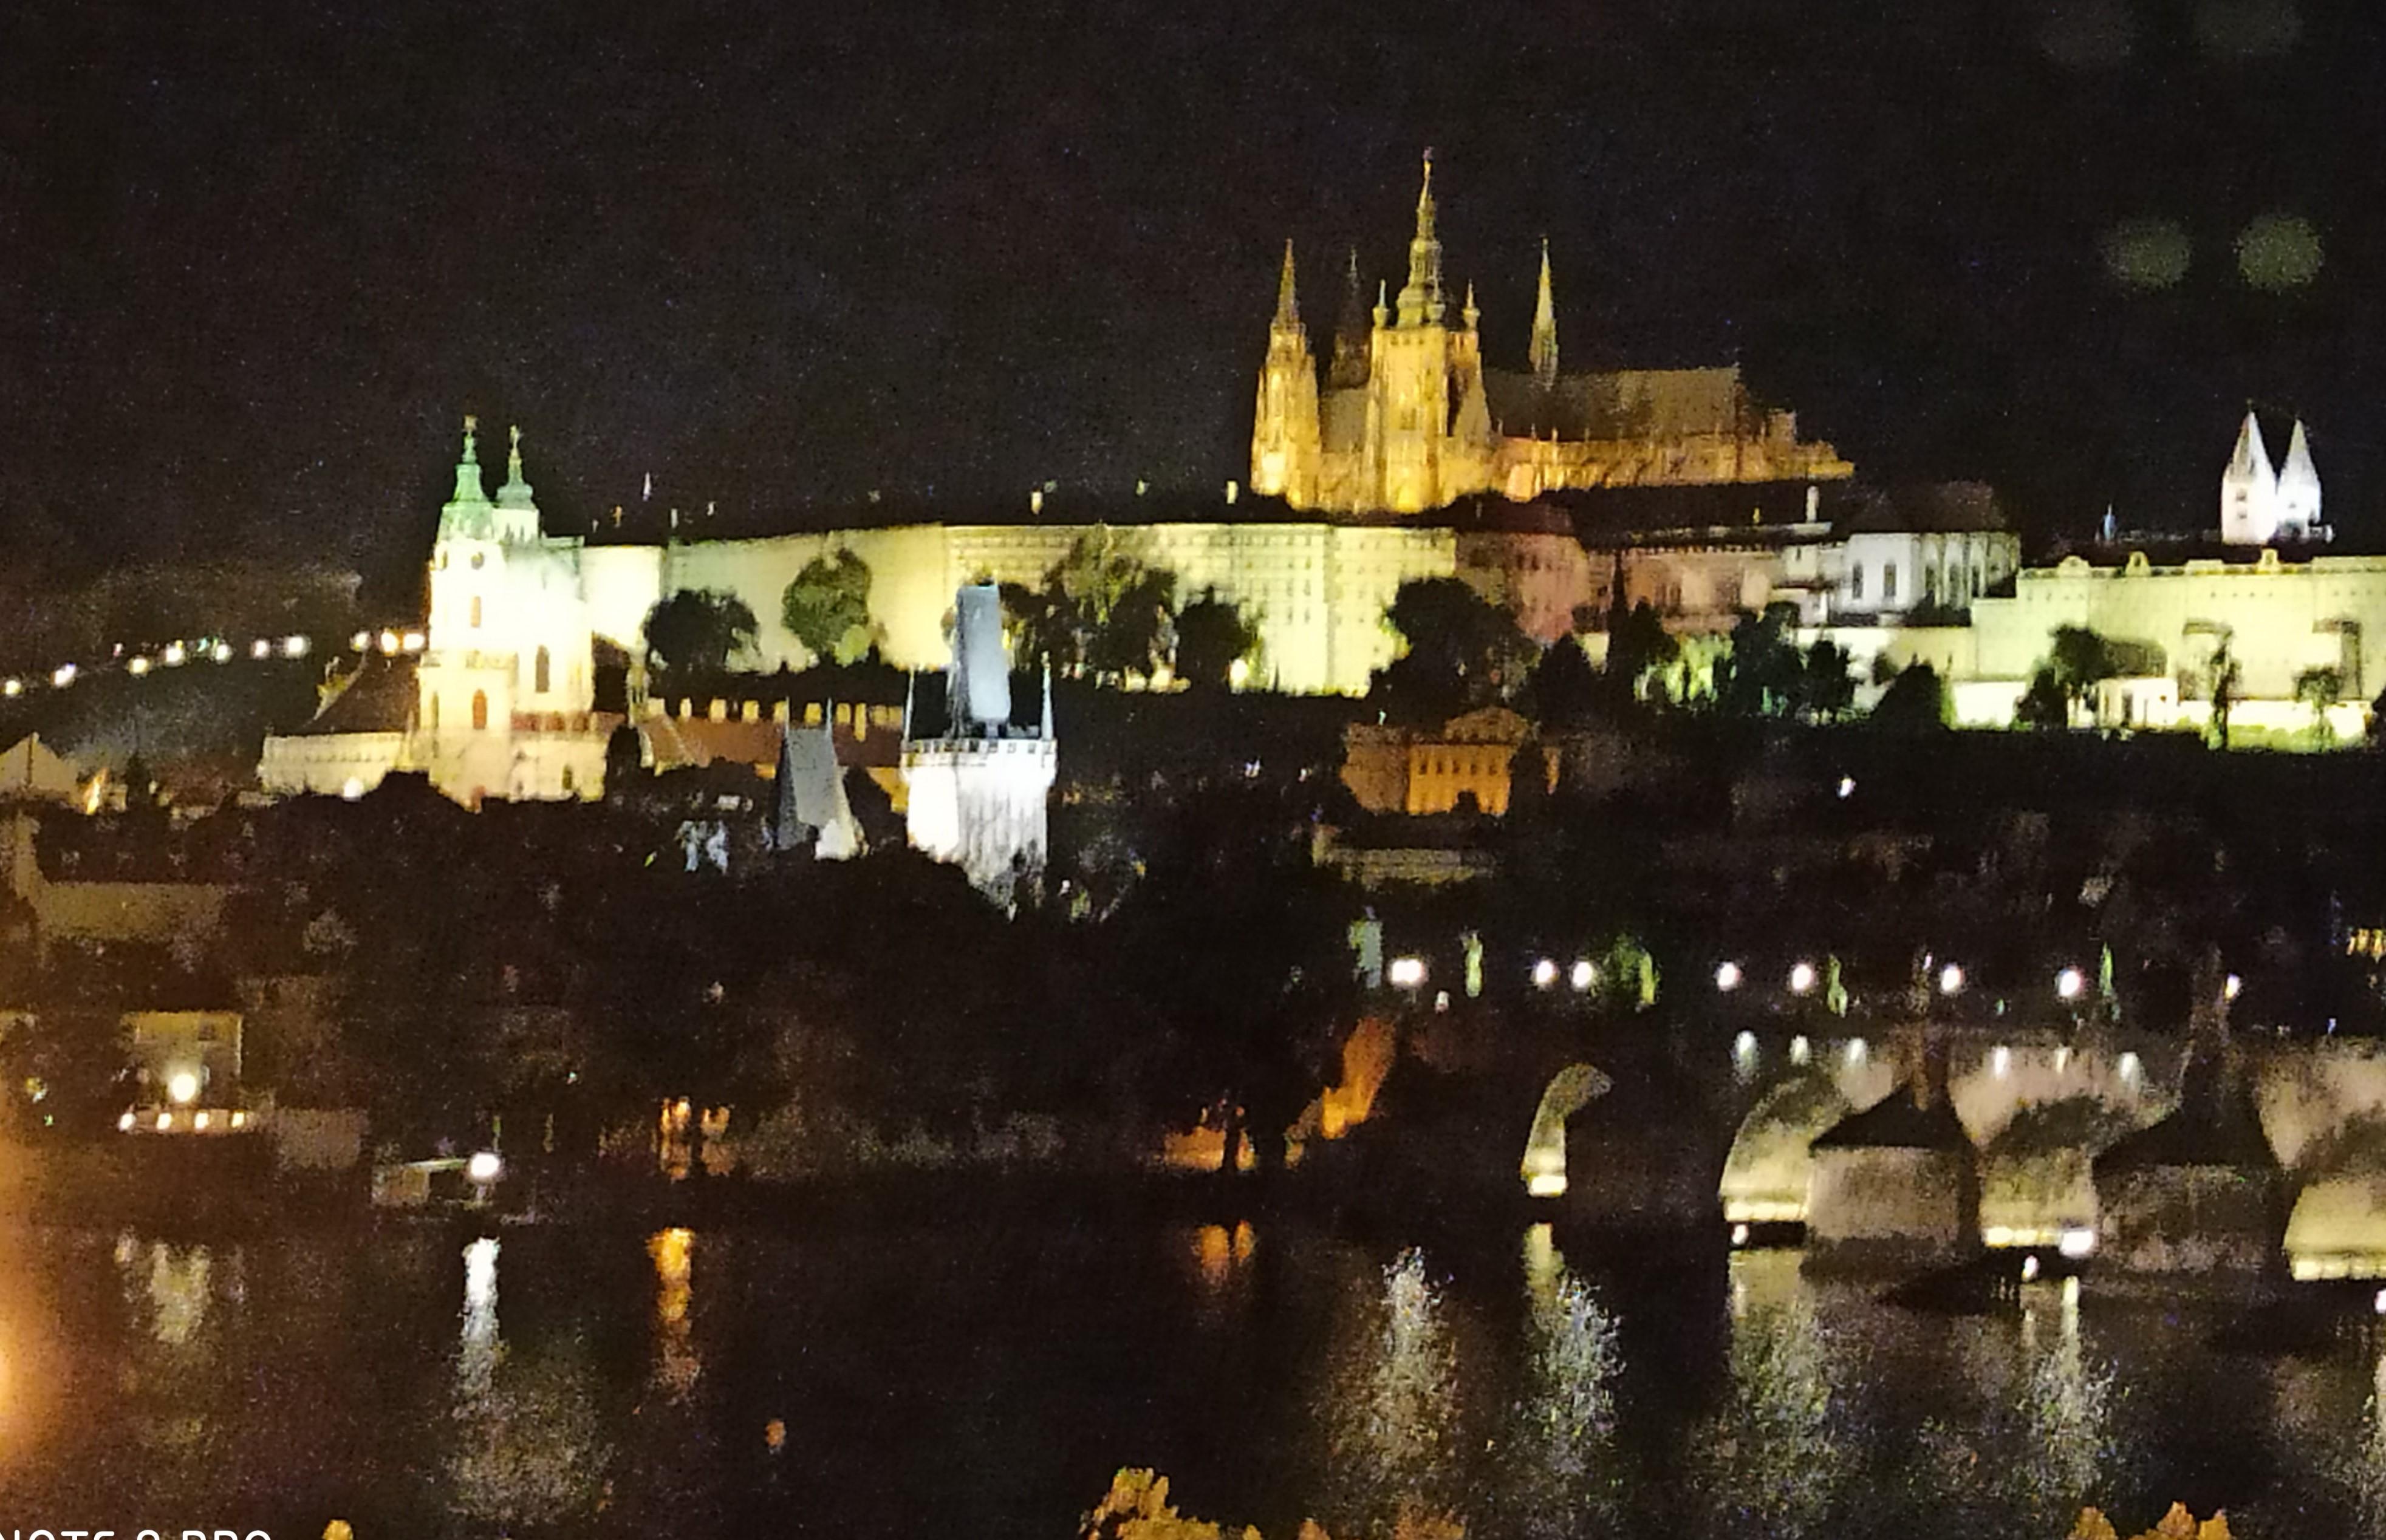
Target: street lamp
(1950, 980)
(2071, 984)
(1802, 978)
(1583, 974)
(1727, 977)
(1406, 972)
(1545, 974)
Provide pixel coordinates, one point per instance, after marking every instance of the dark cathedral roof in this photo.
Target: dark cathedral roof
(1626, 404)
(379, 697)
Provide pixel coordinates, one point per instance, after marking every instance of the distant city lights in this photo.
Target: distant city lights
(1545, 974)
(137, 667)
(2071, 984)
(1727, 977)
(1406, 972)
(2232, 988)
(1584, 976)
(1802, 978)
(1950, 980)
(1847, 787)
(174, 656)
(63, 675)
(294, 646)
(260, 648)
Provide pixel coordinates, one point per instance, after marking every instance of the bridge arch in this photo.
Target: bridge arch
(1569, 1092)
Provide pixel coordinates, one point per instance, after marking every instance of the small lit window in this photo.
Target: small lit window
(480, 710)
(540, 672)
(476, 612)
(478, 559)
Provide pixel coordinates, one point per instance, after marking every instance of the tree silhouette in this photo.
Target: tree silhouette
(698, 631)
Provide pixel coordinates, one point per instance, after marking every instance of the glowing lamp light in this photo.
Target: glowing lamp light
(1727, 977)
(221, 652)
(1802, 978)
(1856, 1050)
(485, 1167)
(260, 648)
(201, 1121)
(165, 1122)
(2071, 984)
(2001, 1062)
(1799, 1049)
(239, 1120)
(12, 687)
(125, 1124)
(1583, 976)
(184, 1087)
(1847, 787)
(2233, 987)
(2378, 1304)
(2078, 1241)
(63, 675)
(1239, 672)
(389, 642)
(1744, 1046)
(411, 640)
(1739, 1234)
(174, 655)
(361, 641)
(294, 646)
(1546, 1184)
(1950, 980)
(138, 667)
(1545, 974)
(1406, 972)
(2029, 1269)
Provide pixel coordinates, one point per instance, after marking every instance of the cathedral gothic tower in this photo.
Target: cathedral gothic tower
(1410, 418)
(1284, 427)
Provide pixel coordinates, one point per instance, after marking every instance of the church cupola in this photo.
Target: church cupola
(2249, 490)
(1421, 301)
(469, 514)
(2298, 502)
(518, 512)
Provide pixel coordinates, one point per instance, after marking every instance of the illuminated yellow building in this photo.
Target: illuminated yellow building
(1410, 420)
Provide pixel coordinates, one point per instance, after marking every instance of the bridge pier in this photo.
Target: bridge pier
(2197, 1196)
(1896, 1188)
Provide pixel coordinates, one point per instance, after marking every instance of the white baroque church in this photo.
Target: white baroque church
(502, 698)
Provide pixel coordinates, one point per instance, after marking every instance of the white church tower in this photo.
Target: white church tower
(2299, 491)
(2249, 489)
(977, 794)
(507, 678)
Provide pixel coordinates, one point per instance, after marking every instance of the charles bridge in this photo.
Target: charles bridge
(1896, 1134)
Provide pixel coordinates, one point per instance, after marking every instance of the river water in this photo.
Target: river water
(985, 1374)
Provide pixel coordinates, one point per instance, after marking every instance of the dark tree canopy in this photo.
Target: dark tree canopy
(698, 631)
(1212, 637)
(1637, 645)
(1103, 611)
(1464, 652)
(1566, 690)
(1915, 701)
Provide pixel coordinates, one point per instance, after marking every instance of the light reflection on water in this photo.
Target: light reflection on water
(985, 1376)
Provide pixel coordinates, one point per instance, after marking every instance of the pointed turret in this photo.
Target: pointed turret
(1544, 351)
(2298, 488)
(1284, 421)
(1351, 342)
(2249, 490)
(1421, 301)
(1469, 313)
(468, 514)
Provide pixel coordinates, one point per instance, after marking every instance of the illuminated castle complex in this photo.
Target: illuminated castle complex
(1410, 420)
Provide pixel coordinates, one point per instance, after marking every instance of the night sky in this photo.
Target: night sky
(256, 259)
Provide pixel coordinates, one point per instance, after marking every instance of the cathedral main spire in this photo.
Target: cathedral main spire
(1351, 345)
(1421, 301)
(1287, 308)
(1544, 351)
